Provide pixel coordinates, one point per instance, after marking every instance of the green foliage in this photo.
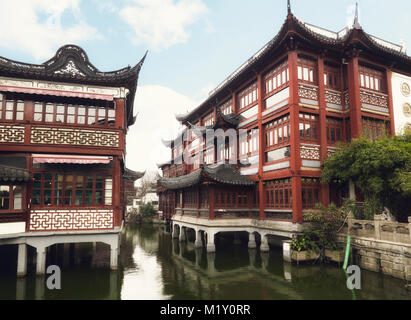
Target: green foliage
(380, 169)
(147, 211)
(306, 242)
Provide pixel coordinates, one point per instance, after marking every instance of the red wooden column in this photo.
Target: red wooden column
(295, 138)
(211, 201)
(117, 181)
(261, 146)
(325, 188)
(388, 77)
(354, 97)
(120, 113)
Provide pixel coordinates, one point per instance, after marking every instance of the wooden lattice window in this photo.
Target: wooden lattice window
(277, 132)
(309, 127)
(248, 97)
(279, 194)
(310, 192)
(277, 79)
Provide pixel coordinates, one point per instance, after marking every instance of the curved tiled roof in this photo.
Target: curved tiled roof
(71, 65)
(324, 38)
(12, 174)
(220, 173)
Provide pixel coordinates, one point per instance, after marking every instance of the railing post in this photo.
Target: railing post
(377, 226)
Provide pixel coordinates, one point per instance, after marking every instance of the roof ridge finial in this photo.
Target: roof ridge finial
(356, 18)
(289, 7)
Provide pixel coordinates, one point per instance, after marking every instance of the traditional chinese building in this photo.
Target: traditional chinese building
(299, 96)
(63, 125)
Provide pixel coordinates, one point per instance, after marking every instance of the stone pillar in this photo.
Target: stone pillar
(210, 242)
(287, 250)
(175, 234)
(264, 260)
(182, 236)
(21, 289)
(377, 226)
(251, 255)
(251, 241)
(198, 242)
(183, 247)
(211, 262)
(113, 256)
(264, 247)
(198, 253)
(40, 286)
(22, 260)
(287, 271)
(41, 261)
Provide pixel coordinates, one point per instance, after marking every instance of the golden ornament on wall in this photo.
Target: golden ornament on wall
(405, 89)
(406, 109)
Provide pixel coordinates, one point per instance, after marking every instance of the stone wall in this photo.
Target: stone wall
(381, 246)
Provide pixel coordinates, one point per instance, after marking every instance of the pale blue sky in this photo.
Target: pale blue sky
(193, 44)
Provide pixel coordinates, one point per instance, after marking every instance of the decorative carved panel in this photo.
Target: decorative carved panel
(332, 97)
(374, 99)
(310, 152)
(11, 134)
(60, 220)
(80, 137)
(308, 92)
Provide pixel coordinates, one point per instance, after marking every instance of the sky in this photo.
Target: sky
(193, 45)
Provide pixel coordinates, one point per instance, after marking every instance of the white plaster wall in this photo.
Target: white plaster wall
(12, 227)
(399, 99)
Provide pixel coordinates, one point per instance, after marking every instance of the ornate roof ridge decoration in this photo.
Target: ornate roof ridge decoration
(9, 173)
(294, 27)
(133, 175)
(71, 65)
(220, 173)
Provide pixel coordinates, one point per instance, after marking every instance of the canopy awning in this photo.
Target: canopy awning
(70, 159)
(59, 93)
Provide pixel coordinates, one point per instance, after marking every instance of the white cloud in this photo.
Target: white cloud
(162, 23)
(22, 29)
(156, 107)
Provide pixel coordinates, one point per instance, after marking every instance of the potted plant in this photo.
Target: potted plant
(305, 248)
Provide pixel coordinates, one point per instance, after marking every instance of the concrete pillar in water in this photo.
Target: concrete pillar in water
(211, 262)
(251, 241)
(198, 253)
(264, 260)
(21, 288)
(174, 234)
(264, 247)
(183, 247)
(198, 243)
(287, 271)
(252, 253)
(22, 260)
(114, 256)
(287, 250)
(41, 261)
(210, 242)
(39, 291)
(182, 236)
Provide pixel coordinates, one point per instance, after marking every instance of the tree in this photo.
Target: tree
(380, 169)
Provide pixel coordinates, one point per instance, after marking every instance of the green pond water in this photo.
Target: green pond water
(153, 266)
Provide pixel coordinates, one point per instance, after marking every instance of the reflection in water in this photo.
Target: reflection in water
(153, 266)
